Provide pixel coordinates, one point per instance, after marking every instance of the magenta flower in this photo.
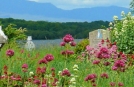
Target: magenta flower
(43, 61)
(40, 70)
(62, 44)
(65, 73)
(106, 63)
(120, 84)
(104, 75)
(90, 77)
(37, 82)
(72, 43)
(67, 52)
(96, 62)
(119, 65)
(112, 84)
(44, 85)
(88, 48)
(68, 38)
(10, 52)
(103, 52)
(49, 57)
(25, 66)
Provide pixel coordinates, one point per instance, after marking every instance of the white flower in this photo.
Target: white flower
(75, 69)
(59, 73)
(122, 13)
(129, 14)
(110, 24)
(116, 33)
(72, 80)
(115, 18)
(31, 73)
(75, 66)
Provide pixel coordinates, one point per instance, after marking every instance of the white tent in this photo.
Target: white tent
(3, 37)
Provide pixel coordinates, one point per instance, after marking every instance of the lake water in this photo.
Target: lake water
(50, 42)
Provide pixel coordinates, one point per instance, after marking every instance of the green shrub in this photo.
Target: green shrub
(81, 46)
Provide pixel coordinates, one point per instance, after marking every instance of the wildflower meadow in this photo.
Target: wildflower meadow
(60, 66)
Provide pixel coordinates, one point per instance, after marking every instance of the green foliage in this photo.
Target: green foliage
(14, 34)
(81, 46)
(132, 5)
(123, 33)
(55, 30)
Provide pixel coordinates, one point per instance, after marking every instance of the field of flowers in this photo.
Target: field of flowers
(60, 66)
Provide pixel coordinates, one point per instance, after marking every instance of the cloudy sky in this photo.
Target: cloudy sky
(72, 4)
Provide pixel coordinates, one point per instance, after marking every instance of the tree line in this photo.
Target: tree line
(55, 30)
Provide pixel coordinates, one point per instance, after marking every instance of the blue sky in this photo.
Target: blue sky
(72, 4)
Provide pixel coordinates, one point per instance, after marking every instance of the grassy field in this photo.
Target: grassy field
(76, 70)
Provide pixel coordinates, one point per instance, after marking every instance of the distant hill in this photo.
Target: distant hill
(29, 10)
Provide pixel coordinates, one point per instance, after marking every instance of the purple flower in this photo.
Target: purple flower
(10, 52)
(90, 77)
(25, 66)
(104, 75)
(72, 43)
(62, 44)
(96, 61)
(66, 73)
(67, 52)
(112, 84)
(44, 61)
(68, 38)
(120, 84)
(49, 57)
(36, 82)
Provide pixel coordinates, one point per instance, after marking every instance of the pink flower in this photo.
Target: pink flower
(44, 61)
(96, 61)
(112, 84)
(114, 68)
(120, 84)
(40, 70)
(68, 38)
(90, 77)
(67, 52)
(106, 63)
(65, 73)
(25, 66)
(52, 69)
(88, 48)
(44, 85)
(10, 52)
(62, 44)
(104, 75)
(49, 57)
(72, 43)
(36, 82)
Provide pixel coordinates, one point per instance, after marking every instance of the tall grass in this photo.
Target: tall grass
(31, 58)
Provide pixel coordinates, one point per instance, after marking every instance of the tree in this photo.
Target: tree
(132, 6)
(14, 34)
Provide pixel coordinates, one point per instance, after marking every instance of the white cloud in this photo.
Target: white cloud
(72, 4)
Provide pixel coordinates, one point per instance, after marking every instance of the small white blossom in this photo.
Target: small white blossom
(31, 73)
(110, 24)
(129, 14)
(122, 13)
(75, 66)
(115, 18)
(75, 69)
(72, 80)
(59, 73)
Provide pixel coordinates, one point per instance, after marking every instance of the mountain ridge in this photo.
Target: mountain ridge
(30, 10)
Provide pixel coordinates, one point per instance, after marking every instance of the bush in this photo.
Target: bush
(81, 46)
(122, 32)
